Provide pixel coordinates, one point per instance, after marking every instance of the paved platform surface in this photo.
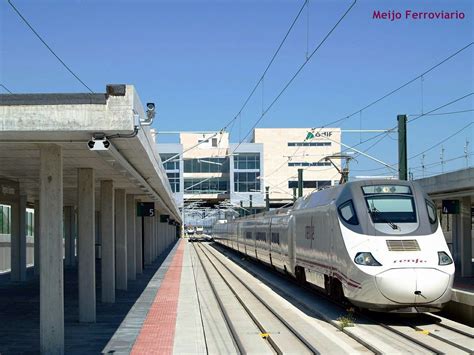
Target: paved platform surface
(19, 312)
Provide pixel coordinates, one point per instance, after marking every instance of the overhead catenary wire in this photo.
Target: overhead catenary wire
(252, 92)
(48, 47)
(295, 75)
(6, 89)
(395, 90)
(441, 141)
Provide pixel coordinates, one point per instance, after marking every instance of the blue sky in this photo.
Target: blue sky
(198, 60)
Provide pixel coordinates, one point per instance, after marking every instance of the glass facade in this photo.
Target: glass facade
(206, 165)
(172, 170)
(206, 186)
(247, 161)
(172, 164)
(246, 181)
(173, 178)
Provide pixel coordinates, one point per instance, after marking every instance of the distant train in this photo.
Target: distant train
(378, 243)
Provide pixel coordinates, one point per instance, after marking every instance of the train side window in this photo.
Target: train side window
(347, 213)
(262, 236)
(248, 235)
(276, 238)
(431, 212)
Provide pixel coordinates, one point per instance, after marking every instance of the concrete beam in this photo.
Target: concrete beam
(37, 238)
(107, 227)
(131, 250)
(51, 252)
(69, 236)
(86, 244)
(18, 240)
(120, 240)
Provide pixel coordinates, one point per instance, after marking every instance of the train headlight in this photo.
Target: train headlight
(366, 258)
(444, 259)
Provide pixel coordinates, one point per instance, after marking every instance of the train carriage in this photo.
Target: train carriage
(378, 243)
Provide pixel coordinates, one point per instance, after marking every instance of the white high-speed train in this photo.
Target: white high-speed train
(376, 242)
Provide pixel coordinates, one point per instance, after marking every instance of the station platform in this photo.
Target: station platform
(461, 306)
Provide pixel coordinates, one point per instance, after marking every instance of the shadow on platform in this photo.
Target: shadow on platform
(19, 312)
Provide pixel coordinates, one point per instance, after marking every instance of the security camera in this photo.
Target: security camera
(150, 110)
(98, 144)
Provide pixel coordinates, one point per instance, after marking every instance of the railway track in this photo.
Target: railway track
(275, 331)
(381, 333)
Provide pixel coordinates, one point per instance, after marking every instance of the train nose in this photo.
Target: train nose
(412, 285)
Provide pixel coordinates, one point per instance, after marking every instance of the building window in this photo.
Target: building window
(206, 165)
(246, 182)
(309, 144)
(310, 184)
(172, 164)
(4, 219)
(214, 142)
(206, 186)
(247, 161)
(30, 222)
(173, 178)
(319, 163)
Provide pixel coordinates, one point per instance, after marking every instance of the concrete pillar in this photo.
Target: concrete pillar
(131, 252)
(37, 238)
(51, 252)
(86, 243)
(154, 237)
(148, 240)
(462, 238)
(138, 245)
(18, 240)
(107, 228)
(120, 240)
(69, 238)
(157, 236)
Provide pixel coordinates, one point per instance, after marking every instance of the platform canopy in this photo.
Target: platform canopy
(70, 121)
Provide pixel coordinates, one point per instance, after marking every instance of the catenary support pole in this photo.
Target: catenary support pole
(402, 147)
(300, 182)
(267, 198)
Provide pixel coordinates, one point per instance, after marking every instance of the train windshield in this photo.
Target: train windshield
(390, 204)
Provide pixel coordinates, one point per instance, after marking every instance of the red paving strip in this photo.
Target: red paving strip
(157, 333)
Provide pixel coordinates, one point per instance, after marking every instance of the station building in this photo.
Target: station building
(206, 167)
(288, 149)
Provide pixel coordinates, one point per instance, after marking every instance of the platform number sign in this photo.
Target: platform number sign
(450, 207)
(145, 209)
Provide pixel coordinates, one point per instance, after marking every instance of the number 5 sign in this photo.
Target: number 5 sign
(145, 209)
